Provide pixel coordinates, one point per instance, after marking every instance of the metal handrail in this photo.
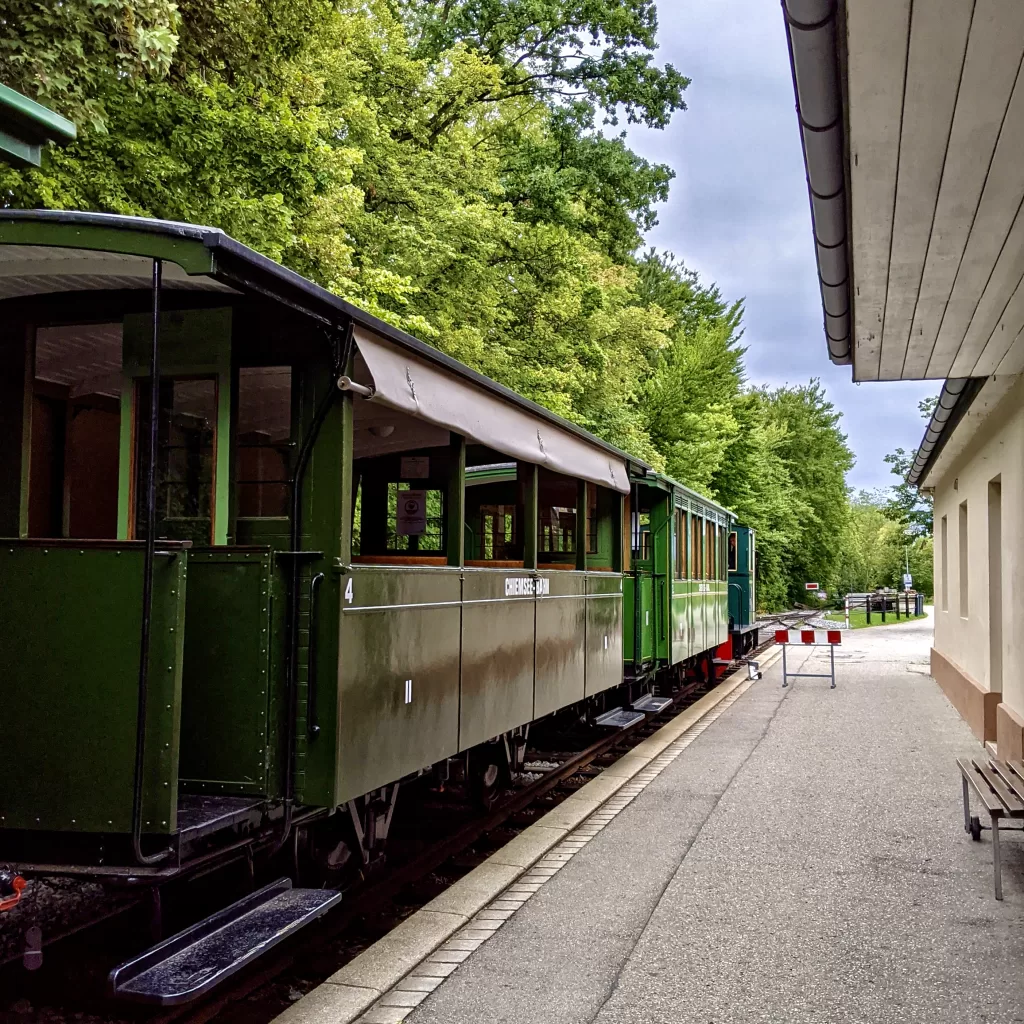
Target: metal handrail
(313, 727)
(149, 506)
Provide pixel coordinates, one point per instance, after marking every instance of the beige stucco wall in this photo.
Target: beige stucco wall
(996, 450)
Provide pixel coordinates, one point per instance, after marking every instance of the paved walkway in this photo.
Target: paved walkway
(803, 860)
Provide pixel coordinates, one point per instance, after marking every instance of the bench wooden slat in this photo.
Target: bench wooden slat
(1013, 782)
(1009, 800)
(980, 785)
(1017, 767)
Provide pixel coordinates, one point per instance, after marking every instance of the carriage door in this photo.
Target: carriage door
(642, 563)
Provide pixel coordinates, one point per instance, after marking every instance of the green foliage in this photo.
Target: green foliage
(441, 163)
(876, 549)
(906, 504)
(597, 51)
(68, 55)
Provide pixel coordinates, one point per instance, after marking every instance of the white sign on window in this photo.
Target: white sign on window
(412, 513)
(415, 467)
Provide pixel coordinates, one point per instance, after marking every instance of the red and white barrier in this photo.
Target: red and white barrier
(830, 638)
(810, 637)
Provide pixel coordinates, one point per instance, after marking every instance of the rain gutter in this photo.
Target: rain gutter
(955, 399)
(813, 38)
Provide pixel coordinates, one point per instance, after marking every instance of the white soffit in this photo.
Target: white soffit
(877, 32)
(413, 385)
(937, 180)
(937, 47)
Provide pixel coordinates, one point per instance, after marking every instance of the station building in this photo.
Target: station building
(912, 123)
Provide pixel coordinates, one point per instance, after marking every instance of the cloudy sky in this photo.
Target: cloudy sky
(739, 213)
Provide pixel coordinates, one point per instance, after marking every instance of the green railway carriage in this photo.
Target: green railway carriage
(742, 596)
(313, 630)
(263, 556)
(675, 590)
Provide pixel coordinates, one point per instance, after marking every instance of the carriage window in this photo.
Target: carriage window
(558, 530)
(415, 519)
(498, 533)
(494, 509)
(263, 437)
(186, 433)
(592, 538)
(695, 547)
(641, 535)
(75, 433)
(732, 552)
(680, 543)
(556, 520)
(709, 551)
(400, 508)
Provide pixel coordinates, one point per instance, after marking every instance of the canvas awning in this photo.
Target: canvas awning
(412, 385)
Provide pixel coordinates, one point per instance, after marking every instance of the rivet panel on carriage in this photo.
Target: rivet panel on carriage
(318, 557)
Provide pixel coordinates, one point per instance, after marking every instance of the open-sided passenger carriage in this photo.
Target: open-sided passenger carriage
(333, 558)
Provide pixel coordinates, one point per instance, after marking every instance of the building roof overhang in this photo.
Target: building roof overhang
(912, 122)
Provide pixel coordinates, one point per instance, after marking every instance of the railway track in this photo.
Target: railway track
(261, 996)
(369, 910)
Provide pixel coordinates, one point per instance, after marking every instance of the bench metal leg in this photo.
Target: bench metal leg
(967, 805)
(996, 865)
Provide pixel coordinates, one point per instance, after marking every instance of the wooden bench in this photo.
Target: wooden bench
(1000, 788)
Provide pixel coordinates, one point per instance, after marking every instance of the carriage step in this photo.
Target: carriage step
(189, 964)
(620, 718)
(651, 704)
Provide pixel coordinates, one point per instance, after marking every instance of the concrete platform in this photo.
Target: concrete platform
(801, 859)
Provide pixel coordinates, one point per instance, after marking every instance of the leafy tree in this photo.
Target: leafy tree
(906, 504)
(69, 54)
(554, 170)
(600, 52)
(441, 164)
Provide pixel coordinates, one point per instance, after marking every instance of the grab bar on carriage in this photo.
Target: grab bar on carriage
(311, 680)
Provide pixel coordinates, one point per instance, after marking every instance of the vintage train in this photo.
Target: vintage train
(238, 607)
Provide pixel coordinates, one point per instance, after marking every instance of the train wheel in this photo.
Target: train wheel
(488, 774)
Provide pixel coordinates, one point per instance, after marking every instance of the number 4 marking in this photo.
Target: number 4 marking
(348, 590)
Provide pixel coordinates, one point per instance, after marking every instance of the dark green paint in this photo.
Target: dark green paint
(604, 631)
(455, 506)
(401, 624)
(69, 658)
(26, 126)
(323, 500)
(15, 421)
(192, 256)
(530, 476)
(497, 656)
(561, 627)
(225, 687)
(581, 525)
(742, 610)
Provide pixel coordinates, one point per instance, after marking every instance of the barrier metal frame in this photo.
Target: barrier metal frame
(787, 675)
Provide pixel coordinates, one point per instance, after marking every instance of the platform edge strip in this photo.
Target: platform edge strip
(391, 959)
